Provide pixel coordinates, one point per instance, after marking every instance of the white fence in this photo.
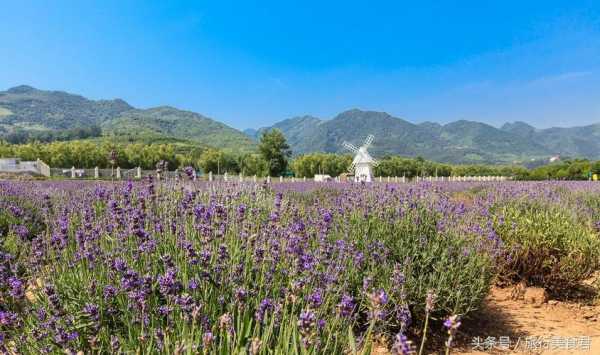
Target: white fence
(39, 167)
(387, 179)
(116, 173)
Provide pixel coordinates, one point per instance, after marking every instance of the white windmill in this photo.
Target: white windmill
(363, 163)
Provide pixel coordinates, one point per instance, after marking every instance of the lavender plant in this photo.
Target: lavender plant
(183, 266)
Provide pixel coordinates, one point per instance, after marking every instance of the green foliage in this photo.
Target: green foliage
(398, 166)
(275, 151)
(577, 169)
(56, 109)
(253, 164)
(21, 136)
(445, 262)
(16, 211)
(170, 122)
(596, 167)
(218, 162)
(548, 244)
(89, 154)
(309, 165)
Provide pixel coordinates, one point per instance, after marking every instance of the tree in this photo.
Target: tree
(596, 167)
(309, 165)
(217, 162)
(275, 150)
(253, 164)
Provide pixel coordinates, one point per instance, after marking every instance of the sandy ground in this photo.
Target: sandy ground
(569, 327)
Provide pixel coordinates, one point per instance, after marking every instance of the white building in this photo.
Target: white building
(363, 163)
(16, 166)
(322, 177)
(363, 166)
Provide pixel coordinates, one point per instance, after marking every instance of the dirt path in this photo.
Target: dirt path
(552, 328)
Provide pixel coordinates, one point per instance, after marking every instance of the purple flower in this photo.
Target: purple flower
(402, 346)
(17, 289)
(168, 284)
(378, 300)
(240, 295)
(119, 265)
(346, 306)
(327, 217)
(278, 198)
(265, 305)
(92, 310)
(241, 210)
(190, 172)
(63, 337)
(16, 211)
(452, 324)
(380, 297)
(8, 319)
(115, 344)
(164, 310)
(316, 298)
(306, 321)
(193, 284)
(21, 231)
(404, 317)
(207, 340)
(109, 292)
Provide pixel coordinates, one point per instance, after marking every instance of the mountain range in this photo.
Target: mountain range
(456, 142)
(24, 108)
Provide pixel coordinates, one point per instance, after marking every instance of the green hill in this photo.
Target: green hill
(29, 108)
(574, 141)
(171, 122)
(24, 108)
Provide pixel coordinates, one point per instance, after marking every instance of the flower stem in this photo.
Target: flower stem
(424, 333)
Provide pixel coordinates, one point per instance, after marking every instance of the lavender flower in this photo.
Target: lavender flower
(430, 301)
(265, 305)
(346, 306)
(402, 346)
(17, 289)
(452, 324)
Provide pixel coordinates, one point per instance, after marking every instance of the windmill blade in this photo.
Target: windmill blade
(375, 162)
(351, 168)
(350, 146)
(368, 140)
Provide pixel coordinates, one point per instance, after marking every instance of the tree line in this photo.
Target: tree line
(21, 136)
(272, 158)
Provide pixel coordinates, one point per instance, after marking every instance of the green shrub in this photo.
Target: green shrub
(445, 262)
(547, 244)
(17, 212)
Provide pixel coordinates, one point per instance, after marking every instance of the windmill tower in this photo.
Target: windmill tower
(363, 163)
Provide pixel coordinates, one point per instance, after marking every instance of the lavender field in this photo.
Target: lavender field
(183, 267)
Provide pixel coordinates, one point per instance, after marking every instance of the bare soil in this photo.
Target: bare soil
(555, 327)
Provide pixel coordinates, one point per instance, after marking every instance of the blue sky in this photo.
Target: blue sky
(250, 64)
